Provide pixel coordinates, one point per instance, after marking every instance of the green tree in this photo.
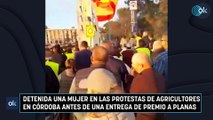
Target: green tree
(121, 26)
(152, 17)
(124, 16)
(112, 28)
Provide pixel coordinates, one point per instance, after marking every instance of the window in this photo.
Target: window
(89, 19)
(82, 28)
(81, 8)
(95, 27)
(81, 18)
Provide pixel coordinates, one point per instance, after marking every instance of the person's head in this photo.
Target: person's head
(156, 53)
(132, 36)
(84, 45)
(56, 48)
(64, 49)
(99, 55)
(145, 34)
(69, 49)
(142, 43)
(76, 49)
(48, 54)
(151, 45)
(157, 45)
(164, 37)
(115, 51)
(140, 62)
(128, 46)
(99, 81)
(138, 34)
(108, 46)
(69, 63)
(165, 44)
(164, 41)
(151, 36)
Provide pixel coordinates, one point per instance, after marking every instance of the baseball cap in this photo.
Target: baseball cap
(99, 80)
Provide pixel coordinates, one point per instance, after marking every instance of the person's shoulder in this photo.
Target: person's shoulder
(117, 61)
(161, 82)
(129, 51)
(138, 77)
(53, 55)
(57, 55)
(48, 68)
(77, 53)
(158, 76)
(165, 53)
(138, 80)
(88, 52)
(114, 59)
(84, 52)
(84, 71)
(147, 74)
(64, 56)
(162, 56)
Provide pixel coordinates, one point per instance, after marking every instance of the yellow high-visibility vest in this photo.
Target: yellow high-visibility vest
(70, 55)
(138, 38)
(144, 50)
(54, 66)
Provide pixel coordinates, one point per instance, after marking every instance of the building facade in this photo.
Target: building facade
(61, 36)
(86, 17)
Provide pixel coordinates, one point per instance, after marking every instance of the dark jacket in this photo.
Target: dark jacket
(52, 84)
(118, 68)
(127, 56)
(148, 82)
(60, 59)
(82, 59)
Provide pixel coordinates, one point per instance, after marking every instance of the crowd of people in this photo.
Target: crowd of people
(137, 65)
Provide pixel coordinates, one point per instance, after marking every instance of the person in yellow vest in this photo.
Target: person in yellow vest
(146, 38)
(70, 54)
(54, 66)
(58, 57)
(142, 48)
(137, 38)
